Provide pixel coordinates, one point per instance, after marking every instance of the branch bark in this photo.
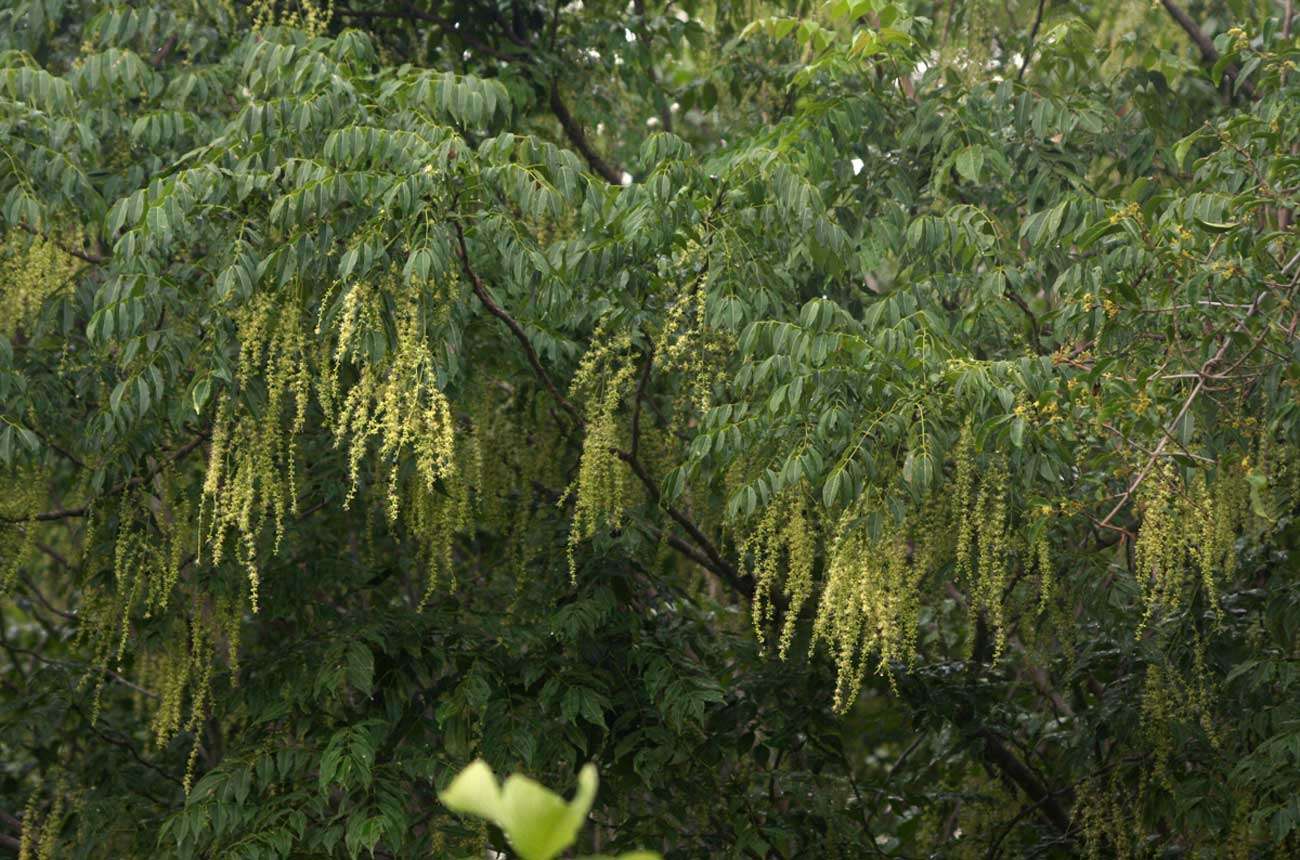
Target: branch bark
(480, 290)
(573, 130)
(72, 513)
(1209, 54)
(1011, 767)
(1033, 36)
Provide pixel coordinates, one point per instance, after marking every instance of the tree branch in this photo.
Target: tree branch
(71, 513)
(640, 396)
(87, 256)
(717, 563)
(714, 559)
(574, 132)
(1202, 376)
(1209, 54)
(1033, 36)
(1005, 761)
(480, 290)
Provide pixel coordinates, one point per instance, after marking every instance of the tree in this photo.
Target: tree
(859, 429)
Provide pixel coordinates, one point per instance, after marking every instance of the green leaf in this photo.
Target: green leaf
(202, 391)
(474, 791)
(361, 668)
(1217, 226)
(538, 823)
(970, 161)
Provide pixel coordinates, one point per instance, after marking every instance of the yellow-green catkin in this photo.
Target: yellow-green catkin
(252, 473)
(783, 542)
(600, 490)
(686, 343)
(984, 547)
(994, 553)
(396, 409)
(1187, 537)
(1158, 551)
(870, 603)
(39, 838)
(31, 833)
(1161, 707)
(33, 270)
(22, 494)
(399, 405)
(963, 499)
(47, 846)
(1105, 813)
(16, 545)
(310, 17)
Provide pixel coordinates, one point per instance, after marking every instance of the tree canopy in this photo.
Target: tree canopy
(860, 428)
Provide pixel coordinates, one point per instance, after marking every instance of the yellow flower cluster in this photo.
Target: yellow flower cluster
(984, 547)
(39, 839)
(32, 270)
(871, 600)
(252, 476)
(1188, 535)
(312, 18)
(785, 539)
(399, 404)
(599, 491)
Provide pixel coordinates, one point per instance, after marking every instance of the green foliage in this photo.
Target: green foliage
(857, 428)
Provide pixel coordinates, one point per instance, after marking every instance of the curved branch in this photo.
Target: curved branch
(1208, 52)
(574, 132)
(138, 480)
(1033, 36)
(86, 256)
(480, 290)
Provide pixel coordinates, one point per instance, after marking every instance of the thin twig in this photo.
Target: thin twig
(69, 616)
(71, 513)
(1208, 52)
(639, 398)
(1033, 35)
(87, 256)
(1203, 375)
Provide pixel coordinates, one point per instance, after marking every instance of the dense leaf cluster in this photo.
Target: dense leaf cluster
(859, 429)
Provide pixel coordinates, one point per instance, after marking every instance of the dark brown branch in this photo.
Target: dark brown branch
(639, 398)
(1015, 770)
(71, 513)
(1033, 36)
(87, 256)
(480, 290)
(123, 743)
(1209, 54)
(574, 132)
(717, 563)
(41, 597)
(164, 51)
(1020, 302)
